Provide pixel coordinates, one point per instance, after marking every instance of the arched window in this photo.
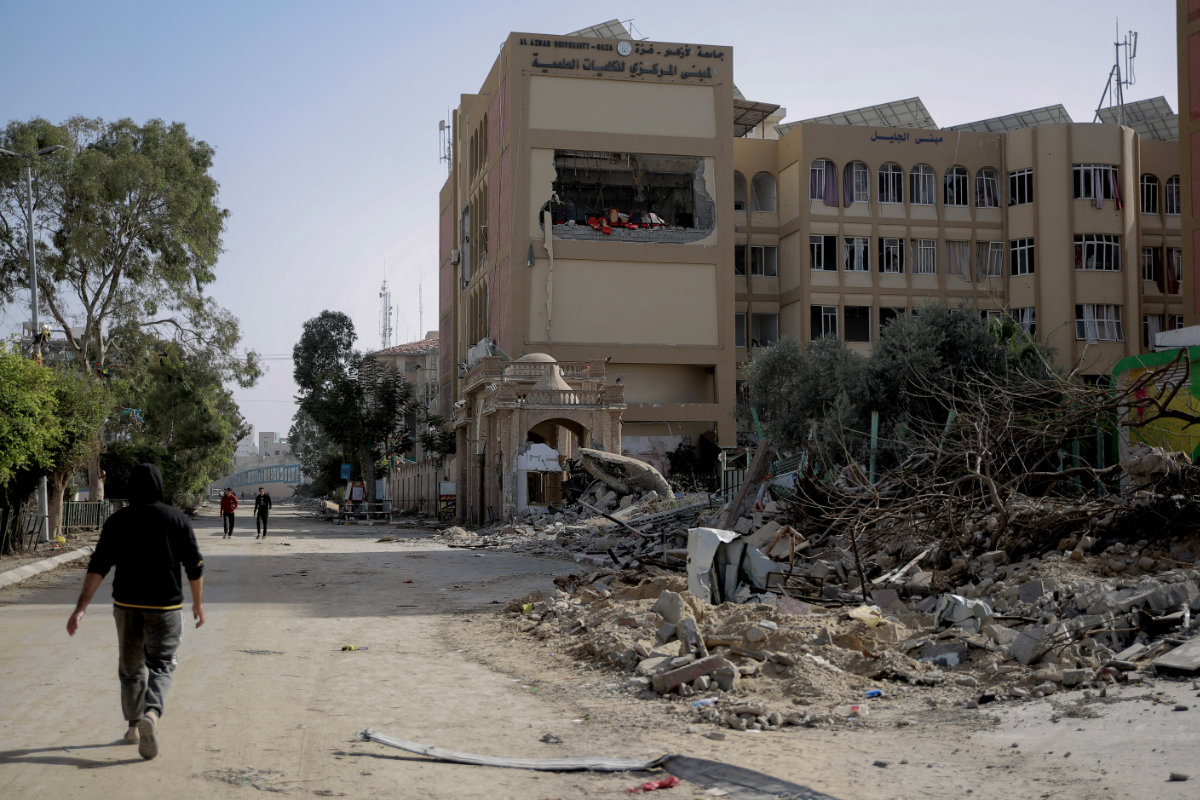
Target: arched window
(739, 191)
(920, 187)
(957, 182)
(987, 188)
(856, 183)
(891, 184)
(1149, 194)
(762, 192)
(822, 181)
(1171, 204)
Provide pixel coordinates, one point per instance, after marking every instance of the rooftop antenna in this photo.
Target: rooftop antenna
(1114, 90)
(446, 147)
(385, 316)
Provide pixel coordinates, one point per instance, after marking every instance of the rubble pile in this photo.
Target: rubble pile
(774, 621)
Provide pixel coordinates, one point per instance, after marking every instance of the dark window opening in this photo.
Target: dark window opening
(858, 323)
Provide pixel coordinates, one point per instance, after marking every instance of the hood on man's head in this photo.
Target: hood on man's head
(145, 485)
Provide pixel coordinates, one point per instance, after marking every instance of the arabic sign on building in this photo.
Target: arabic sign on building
(624, 58)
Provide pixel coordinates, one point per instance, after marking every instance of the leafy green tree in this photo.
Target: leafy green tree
(29, 426)
(81, 408)
(925, 365)
(353, 399)
(320, 457)
(129, 231)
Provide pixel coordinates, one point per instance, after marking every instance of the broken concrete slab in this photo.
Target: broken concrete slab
(668, 681)
(623, 473)
(1183, 660)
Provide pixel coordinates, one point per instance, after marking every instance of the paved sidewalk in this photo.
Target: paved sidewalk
(18, 574)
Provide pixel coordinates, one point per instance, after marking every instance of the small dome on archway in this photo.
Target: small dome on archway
(540, 358)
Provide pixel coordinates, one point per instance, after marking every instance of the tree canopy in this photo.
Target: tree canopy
(348, 399)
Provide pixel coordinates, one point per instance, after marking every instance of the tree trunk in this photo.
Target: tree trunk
(56, 484)
(368, 472)
(95, 478)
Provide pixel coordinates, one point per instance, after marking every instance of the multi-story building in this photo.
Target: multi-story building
(617, 207)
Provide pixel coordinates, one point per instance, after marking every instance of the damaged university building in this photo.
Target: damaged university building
(621, 228)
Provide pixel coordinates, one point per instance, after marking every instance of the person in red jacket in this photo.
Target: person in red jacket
(228, 506)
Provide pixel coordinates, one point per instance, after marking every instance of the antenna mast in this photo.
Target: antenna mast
(1114, 90)
(446, 146)
(385, 316)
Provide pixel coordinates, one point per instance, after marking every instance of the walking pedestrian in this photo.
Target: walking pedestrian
(229, 504)
(262, 507)
(148, 542)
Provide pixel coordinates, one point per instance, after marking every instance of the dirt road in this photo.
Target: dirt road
(265, 698)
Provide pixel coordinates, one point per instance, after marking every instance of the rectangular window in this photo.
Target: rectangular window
(1175, 265)
(989, 259)
(1098, 251)
(987, 188)
(1152, 325)
(989, 314)
(1026, 318)
(957, 181)
(1020, 256)
(764, 260)
(1171, 197)
(858, 323)
(958, 259)
(1096, 322)
(887, 314)
(1174, 322)
(739, 260)
(764, 329)
(739, 330)
(824, 322)
(926, 258)
(1150, 264)
(861, 189)
(857, 254)
(891, 255)
(1094, 181)
(1020, 187)
(823, 252)
(1149, 194)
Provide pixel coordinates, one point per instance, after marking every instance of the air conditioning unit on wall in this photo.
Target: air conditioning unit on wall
(455, 257)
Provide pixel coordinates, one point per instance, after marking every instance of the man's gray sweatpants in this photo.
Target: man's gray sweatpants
(148, 640)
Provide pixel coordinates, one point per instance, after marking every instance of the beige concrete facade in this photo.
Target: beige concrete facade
(601, 210)
(1187, 31)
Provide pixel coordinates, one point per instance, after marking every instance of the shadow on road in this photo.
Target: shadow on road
(29, 756)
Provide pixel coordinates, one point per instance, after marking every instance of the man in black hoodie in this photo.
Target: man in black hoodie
(148, 542)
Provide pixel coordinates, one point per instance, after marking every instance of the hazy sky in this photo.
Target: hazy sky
(324, 115)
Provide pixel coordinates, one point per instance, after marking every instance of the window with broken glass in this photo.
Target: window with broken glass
(1020, 187)
(1098, 322)
(891, 184)
(958, 259)
(891, 255)
(764, 260)
(987, 188)
(957, 181)
(630, 196)
(857, 254)
(858, 323)
(1175, 265)
(1098, 251)
(858, 189)
(823, 252)
(764, 329)
(1026, 317)
(989, 259)
(1094, 181)
(822, 181)
(1150, 263)
(921, 185)
(824, 322)
(1152, 325)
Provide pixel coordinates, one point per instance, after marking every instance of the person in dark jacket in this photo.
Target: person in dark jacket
(262, 508)
(229, 504)
(148, 542)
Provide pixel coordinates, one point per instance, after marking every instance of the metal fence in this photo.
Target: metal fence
(88, 513)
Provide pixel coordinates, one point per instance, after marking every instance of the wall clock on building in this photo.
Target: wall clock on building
(624, 47)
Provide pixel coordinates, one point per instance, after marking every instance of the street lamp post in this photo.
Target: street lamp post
(43, 498)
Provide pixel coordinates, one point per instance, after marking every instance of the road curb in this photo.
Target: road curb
(19, 574)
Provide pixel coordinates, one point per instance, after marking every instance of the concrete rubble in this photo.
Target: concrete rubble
(758, 627)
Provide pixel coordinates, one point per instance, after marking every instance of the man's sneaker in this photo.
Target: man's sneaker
(131, 734)
(147, 728)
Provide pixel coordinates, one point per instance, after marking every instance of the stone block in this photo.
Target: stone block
(755, 635)
(743, 526)
(1031, 592)
(1029, 645)
(665, 633)
(945, 654)
(671, 607)
(1074, 677)
(653, 666)
(668, 681)
(689, 633)
(887, 599)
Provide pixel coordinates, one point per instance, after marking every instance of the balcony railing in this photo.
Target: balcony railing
(513, 395)
(491, 369)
